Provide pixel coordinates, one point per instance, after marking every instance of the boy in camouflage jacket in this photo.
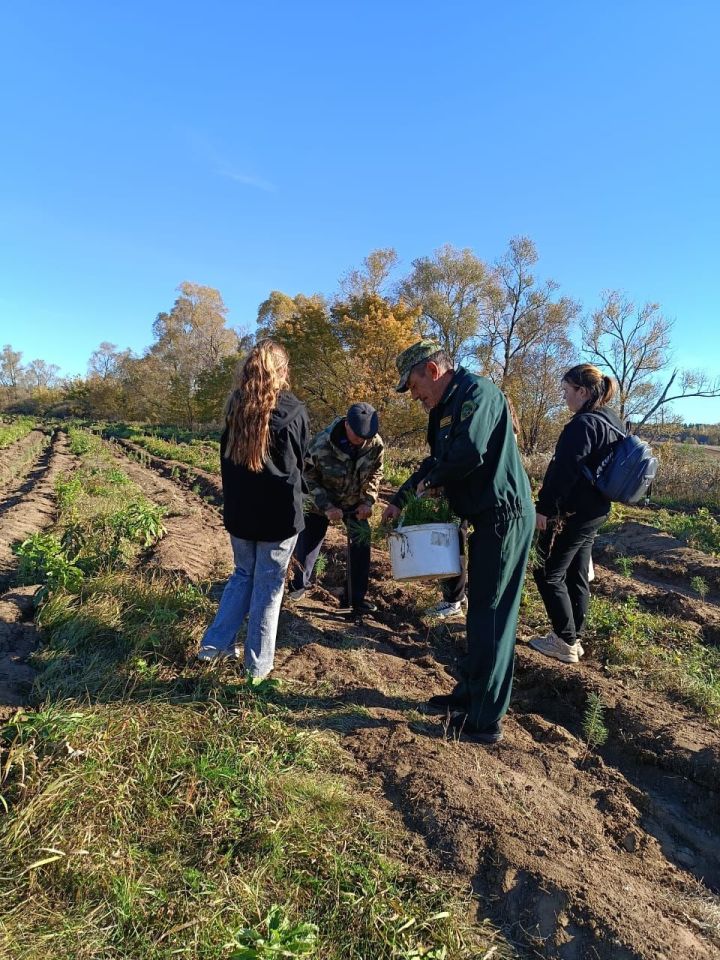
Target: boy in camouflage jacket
(343, 471)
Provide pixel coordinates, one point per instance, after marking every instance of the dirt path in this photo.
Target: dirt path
(196, 544)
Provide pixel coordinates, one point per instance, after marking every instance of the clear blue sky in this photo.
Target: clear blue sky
(259, 146)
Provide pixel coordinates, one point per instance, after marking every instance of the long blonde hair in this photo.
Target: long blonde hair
(247, 415)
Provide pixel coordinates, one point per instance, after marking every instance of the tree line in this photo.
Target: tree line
(497, 318)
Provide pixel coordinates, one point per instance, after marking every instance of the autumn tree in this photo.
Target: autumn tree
(449, 289)
(11, 371)
(633, 344)
(189, 340)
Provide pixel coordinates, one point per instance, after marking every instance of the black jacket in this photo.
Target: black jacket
(585, 441)
(474, 455)
(268, 505)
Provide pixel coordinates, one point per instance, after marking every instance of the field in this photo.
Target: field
(155, 808)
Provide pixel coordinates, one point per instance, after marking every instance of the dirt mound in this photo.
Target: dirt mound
(677, 601)
(661, 557)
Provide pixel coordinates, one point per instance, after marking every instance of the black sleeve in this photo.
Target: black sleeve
(411, 483)
(576, 442)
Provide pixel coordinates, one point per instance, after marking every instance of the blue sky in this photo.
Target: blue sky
(259, 146)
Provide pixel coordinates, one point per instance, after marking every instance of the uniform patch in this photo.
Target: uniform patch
(446, 421)
(468, 409)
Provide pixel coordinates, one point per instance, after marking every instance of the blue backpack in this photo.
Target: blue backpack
(626, 474)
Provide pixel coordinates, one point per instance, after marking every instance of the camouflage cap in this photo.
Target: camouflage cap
(405, 361)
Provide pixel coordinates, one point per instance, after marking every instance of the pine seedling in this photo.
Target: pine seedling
(700, 586)
(596, 733)
(321, 564)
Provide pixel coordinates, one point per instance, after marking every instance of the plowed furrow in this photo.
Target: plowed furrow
(31, 507)
(195, 544)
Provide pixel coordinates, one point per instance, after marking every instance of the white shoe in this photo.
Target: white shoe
(212, 653)
(446, 609)
(580, 648)
(297, 594)
(553, 646)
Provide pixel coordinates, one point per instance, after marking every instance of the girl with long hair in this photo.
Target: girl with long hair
(570, 509)
(262, 449)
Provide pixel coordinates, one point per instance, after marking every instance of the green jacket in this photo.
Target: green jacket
(335, 479)
(474, 454)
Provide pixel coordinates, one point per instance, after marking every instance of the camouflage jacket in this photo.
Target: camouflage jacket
(335, 479)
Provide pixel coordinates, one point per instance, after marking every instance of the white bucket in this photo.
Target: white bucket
(426, 551)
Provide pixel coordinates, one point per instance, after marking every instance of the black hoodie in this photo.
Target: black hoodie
(585, 441)
(268, 505)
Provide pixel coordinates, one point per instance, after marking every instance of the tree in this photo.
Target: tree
(189, 340)
(371, 279)
(521, 316)
(450, 289)
(41, 375)
(633, 345)
(11, 370)
(107, 361)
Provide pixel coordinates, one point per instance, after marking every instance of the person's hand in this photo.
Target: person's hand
(541, 521)
(391, 512)
(333, 513)
(364, 511)
(425, 491)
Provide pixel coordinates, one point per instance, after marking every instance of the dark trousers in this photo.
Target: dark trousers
(310, 542)
(497, 559)
(454, 590)
(562, 576)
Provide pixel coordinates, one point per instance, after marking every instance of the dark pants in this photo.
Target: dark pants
(562, 577)
(454, 590)
(497, 558)
(308, 548)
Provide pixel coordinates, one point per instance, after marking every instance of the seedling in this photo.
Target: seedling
(700, 586)
(596, 733)
(624, 565)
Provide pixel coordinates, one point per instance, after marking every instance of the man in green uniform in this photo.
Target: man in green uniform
(474, 460)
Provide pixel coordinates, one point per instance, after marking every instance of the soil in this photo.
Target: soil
(18, 457)
(611, 853)
(28, 507)
(659, 557)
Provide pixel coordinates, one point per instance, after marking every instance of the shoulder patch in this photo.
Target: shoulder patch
(468, 409)
(446, 421)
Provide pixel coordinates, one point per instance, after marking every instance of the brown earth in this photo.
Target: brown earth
(28, 507)
(659, 557)
(614, 854)
(195, 544)
(16, 460)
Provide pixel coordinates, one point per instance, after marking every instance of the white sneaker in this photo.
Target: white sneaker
(553, 646)
(212, 653)
(297, 594)
(580, 648)
(446, 609)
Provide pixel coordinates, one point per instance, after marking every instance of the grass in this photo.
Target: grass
(660, 652)
(12, 432)
(204, 454)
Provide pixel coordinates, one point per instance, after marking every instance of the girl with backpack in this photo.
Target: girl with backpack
(262, 450)
(570, 509)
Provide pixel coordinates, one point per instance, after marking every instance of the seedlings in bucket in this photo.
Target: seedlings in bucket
(418, 510)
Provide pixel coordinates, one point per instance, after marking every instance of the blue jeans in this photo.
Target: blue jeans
(256, 588)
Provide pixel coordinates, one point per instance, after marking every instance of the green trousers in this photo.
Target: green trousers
(497, 559)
